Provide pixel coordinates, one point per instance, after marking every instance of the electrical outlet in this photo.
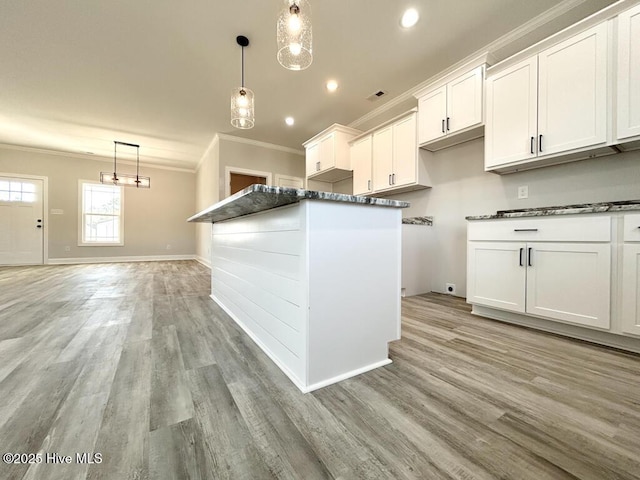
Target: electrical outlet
(523, 191)
(450, 288)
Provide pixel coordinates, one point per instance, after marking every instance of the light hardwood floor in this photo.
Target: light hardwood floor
(135, 362)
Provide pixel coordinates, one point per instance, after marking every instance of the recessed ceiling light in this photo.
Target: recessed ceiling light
(332, 85)
(409, 18)
(289, 121)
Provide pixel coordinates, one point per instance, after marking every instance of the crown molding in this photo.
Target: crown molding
(515, 34)
(257, 143)
(97, 158)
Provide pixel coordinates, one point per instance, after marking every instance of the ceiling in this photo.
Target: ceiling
(77, 75)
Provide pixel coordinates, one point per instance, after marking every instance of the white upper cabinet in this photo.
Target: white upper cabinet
(572, 101)
(628, 101)
(512, 114)
(386, 159)
(551, 104)
(327, 154)
(361, 161)
(450, 109)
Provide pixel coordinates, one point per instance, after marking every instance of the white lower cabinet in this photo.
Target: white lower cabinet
(630, 310)
(562, 279)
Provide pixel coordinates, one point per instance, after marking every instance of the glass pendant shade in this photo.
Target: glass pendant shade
(242, 113)
(295, 50)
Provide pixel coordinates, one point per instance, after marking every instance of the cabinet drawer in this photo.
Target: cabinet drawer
(632, 227)
(559, 228)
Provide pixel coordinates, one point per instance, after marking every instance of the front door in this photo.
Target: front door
(21, 221)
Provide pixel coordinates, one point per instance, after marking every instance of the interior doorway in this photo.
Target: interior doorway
(238, 178)
(240, 181)
(22, 221)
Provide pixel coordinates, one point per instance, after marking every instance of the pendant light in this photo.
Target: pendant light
(242, 112)
(294, 35)
(125, 179)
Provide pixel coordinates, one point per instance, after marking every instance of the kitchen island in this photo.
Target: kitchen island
(312, 277)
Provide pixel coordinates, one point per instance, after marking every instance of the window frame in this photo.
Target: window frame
(81, 213)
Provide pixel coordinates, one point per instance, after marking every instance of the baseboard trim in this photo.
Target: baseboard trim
(125, 259)
(304, 388)
(585, 334)
(204, 261)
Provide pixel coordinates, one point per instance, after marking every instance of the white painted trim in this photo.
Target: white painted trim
(515, 34)
(257, 143)
(45, 209)
(283, 367)
(344, 376)
(204, 261)
(97, 158)
(125, 259)
(214, 141)
(279, 176)
(81, 243)
(567, 330)
(228, 170)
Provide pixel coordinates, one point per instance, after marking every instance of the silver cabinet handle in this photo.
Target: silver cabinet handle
(317, 166)
(393, 179)
(525, 229)
(389, 179)
(368, 184)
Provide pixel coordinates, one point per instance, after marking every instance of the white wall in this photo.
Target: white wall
(210, 176)
(207, 193)
(153, 218)
(462, 188)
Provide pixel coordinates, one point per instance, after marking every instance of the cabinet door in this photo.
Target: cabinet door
(631, 289)
(464, 101)
(405, 151)
(496, 275)
(382, 158)
(510, 129)
(327, 156)
(312, 157)
(432, 112)
(572, 99)
(570, 282)
(629, 73)
(361, 163)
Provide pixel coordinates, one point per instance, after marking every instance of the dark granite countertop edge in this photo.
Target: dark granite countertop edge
(603, 207)
(426, 221)
(258, 198)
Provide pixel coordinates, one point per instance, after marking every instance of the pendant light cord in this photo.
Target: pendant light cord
(242, 67)
(115, 149)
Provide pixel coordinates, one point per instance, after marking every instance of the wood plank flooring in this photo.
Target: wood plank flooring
(136, 363)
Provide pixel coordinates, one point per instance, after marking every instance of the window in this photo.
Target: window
(15, 191)
(101, 221)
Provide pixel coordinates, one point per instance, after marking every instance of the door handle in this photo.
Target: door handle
(520, 258)
(525, 229)
(389, 179)
(443, 125)
(368, 184)
(533, 139)
(393, 179)
(540, 144)
(529, 257)
(447, 124)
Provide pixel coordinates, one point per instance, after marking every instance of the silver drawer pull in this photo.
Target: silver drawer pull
(527, 229)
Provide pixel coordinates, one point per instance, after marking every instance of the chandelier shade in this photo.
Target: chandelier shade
(294, 35)
(242, 104)
(125, 179)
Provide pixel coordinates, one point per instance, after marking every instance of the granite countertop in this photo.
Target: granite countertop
(257, 198)
(621, 206)
(427, 221)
